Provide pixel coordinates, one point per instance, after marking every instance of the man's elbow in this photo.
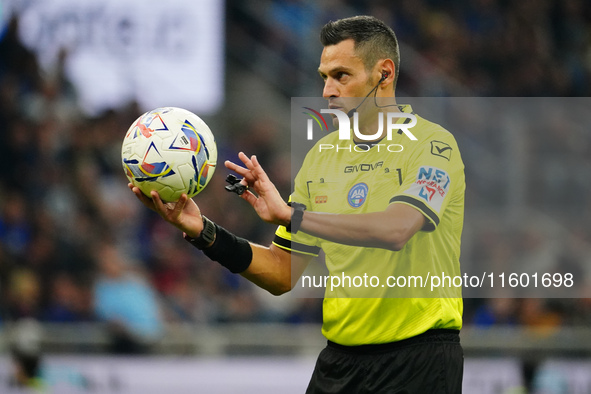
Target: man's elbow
(280, 288)
(396, 246)
(400, 227)
(395, 242)
(278, 291)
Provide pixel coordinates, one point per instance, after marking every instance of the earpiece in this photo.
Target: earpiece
(385, 75)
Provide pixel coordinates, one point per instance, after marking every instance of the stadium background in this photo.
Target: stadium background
(66, 216)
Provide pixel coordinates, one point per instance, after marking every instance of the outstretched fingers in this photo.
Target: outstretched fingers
(247, 177)
(236, 168)
(258, 169)
(158, 203)
(255, 167)
(147, 201)
(169, 211)
(251, 173)
(267, 202)
(179, 206)
(250, 198)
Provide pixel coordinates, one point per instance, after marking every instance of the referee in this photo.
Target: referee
(403, 217)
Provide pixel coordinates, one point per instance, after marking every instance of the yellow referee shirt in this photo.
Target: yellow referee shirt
(340, 177)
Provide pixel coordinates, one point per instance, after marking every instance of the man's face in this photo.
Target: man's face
(344, 76)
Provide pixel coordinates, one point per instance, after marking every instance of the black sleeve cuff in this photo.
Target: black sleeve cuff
(295, 246)
(433, 219)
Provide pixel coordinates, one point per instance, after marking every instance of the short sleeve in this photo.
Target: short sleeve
(432, 176)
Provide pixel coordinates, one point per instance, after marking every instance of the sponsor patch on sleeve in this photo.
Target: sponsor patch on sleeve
(431, 186)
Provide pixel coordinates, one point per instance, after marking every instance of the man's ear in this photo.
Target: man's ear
(387, 70)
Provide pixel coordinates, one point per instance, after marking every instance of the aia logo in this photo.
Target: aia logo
(358, 195)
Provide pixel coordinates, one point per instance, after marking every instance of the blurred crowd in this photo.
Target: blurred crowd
(75, 245)
(487, 47)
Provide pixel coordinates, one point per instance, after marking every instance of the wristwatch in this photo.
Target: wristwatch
(207, 236)
(296, 217)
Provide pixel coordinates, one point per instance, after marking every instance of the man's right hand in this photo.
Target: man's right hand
(268, 203)
(183, 214)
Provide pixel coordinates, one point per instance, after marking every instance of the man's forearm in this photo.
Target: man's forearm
(274, 269)
(389, 229)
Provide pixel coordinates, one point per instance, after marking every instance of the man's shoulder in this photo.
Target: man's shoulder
(433, 137)
(329, 140)
(332, 137)
(428, 130)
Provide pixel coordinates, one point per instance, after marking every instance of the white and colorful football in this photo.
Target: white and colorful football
(170, 150)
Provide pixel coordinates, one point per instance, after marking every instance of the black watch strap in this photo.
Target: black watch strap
(296, 217)
(206, 237)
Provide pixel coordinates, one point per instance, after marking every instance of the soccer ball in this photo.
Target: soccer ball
(170, 150)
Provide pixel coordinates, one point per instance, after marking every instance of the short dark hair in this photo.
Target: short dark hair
(374, 40)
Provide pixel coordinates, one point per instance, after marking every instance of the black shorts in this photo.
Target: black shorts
(432, 362)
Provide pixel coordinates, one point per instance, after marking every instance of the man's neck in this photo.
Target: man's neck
(372, 122)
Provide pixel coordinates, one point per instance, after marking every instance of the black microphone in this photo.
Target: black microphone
(351, 112)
